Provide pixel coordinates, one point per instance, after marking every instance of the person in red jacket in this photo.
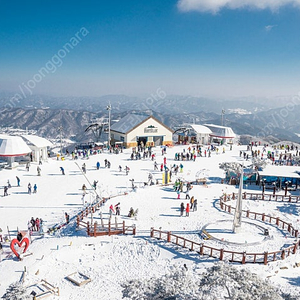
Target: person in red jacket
(187, 210)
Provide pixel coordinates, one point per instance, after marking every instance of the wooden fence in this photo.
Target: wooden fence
(263, 196)
(95, 229)
(258, 216)
(221, 254)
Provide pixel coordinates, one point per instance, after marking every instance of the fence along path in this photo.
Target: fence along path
(95, 229)
(232, 256)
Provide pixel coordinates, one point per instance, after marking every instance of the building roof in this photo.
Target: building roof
(13, 146)
(280, 171)
(221, 131)
(37, 141)
(131, 121)
(201, 129)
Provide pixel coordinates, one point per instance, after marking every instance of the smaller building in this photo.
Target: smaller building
(193, 133)
(140, 129)
(221, 134)
(39, 147)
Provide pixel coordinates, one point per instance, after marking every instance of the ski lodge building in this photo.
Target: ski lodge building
(205, 134)
(221, 134)
(140, 129)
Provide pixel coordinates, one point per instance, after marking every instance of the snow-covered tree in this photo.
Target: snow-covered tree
(222, 281)
(231, 168)
(258, 163)
(16, 291)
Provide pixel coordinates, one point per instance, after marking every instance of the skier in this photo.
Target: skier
(35, 188)
(187, 210)
(178, 194)
(29, 188)
(111, 210)
(5, 191)
(18, 180)
(187, 194)
(98, 165)
(67, 218)
(37, 224)
(62, 170)
(83, 168)
(192, 201)
(8, 184)
(117, 208)
(195, 205)
(95, 184)
(182, 208)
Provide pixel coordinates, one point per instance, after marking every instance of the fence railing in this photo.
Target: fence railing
(258, 216)
(222, 254)
(264, 196)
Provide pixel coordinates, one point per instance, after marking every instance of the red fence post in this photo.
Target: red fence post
(277, 221)
(263, 217)
(289, 227)
(265, 258)
(77, 221)
(248, 213)
(88, 228)
(295, 248)
(221, 254)
(201, 249)
(109, 228)
(244, 258)
(152, 232)
(123, 227)
(169, 237)
(233, 196)
(134, 230)
(283, 254)
(229, 208)
(95, 229)
(296, 233)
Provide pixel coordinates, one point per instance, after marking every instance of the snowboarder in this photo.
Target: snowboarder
(18, 180)
(62, 170)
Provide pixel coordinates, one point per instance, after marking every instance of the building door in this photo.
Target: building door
(157, 140)
(142, 141)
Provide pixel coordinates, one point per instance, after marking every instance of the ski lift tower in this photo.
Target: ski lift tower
(108, 107)
(96, 127)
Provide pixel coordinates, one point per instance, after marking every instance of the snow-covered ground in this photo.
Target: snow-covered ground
(110, 261)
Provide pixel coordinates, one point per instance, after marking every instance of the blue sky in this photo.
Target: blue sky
(134, 47)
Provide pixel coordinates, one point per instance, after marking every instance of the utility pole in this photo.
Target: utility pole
(108, 107)
(60, 128)
(222, 117)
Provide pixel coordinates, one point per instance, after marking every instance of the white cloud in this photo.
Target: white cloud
(216, 5)
(269, 27)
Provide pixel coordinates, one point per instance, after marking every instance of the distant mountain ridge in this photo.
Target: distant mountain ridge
(47, 114)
